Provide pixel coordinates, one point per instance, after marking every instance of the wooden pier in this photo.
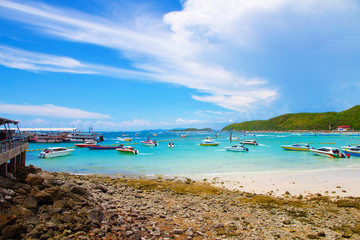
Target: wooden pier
(12, 149)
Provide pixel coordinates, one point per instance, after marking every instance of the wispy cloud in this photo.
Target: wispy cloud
(196, 53)
(26, 60)
(50, 110)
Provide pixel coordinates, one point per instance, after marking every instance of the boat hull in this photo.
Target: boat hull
(352, 153)
(84, 145)
(149, 144)
(237, 149)
(102, 147)
(250, 143)
(58, 154)
(209, 144)
(324, 154)
(127, 151)
(291, 148)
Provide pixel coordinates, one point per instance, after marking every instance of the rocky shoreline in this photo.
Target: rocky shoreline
(43, 205)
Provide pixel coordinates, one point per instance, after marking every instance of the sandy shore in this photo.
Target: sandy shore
(330, 182)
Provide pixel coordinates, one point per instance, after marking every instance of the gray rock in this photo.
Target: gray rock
(96, 216)
(34, 179)
(178, 231)
(30, 202)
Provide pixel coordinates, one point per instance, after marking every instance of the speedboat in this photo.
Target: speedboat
(127, 149)
(296, 147)
(86, 144)
(352, 151)
(249, 142)
(55, 152)
(350, 146)
(100, 147)
(171, 145)
(208, 142)
(149, 143)
(184, 136)
(236, 148)
(127, 139)
(328, 152)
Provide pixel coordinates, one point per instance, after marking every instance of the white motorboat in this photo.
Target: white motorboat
(55, 152)
(237, 148)
(208, 142)
(296, 147)
(328, 152)
(249, 142)
(149, 143)
(350, 147)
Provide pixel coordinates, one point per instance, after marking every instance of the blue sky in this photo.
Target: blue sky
(133, 65)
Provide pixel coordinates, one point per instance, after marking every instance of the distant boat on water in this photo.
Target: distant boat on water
(127, 149)
(249, 142)
(99, 147)
(46, 137)
(296, 147)
(149, 143)
(86, 144)
(209, 142)
(236, 148)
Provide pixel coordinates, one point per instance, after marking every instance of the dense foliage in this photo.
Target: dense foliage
(302, 121)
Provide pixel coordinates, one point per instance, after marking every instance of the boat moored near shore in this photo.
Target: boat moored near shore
(86, 144)
(209, 142)
(127, 149)
(352, 151)
(149, 143)
(296, 147)
(249, 142)
(237, 148)
(55, 152)
(329, 152)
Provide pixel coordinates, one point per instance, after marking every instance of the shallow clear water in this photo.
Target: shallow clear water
(188, 158)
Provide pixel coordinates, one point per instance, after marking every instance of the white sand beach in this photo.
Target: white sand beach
(330, 182)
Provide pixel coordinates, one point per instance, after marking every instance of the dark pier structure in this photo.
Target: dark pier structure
(13, 148)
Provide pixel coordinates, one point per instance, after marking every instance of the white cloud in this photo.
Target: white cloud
(50, 110)
(25, 60)
(196, 53)
(35, 122)
(181, 121)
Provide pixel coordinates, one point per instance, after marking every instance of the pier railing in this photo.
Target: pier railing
(7, 145)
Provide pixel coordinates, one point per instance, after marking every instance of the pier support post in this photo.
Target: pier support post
(3, 169)
(12, 167)
(23, 158)
(17, 164)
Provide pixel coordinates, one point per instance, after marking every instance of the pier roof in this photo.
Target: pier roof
(5, 121)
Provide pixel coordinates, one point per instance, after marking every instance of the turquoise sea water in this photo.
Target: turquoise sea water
(188, 158)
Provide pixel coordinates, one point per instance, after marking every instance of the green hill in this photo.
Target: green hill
(302, 121)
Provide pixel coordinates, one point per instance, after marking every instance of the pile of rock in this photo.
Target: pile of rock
(41, 205)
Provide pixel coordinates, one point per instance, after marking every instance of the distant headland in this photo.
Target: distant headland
(303, 121)
(192, 130)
